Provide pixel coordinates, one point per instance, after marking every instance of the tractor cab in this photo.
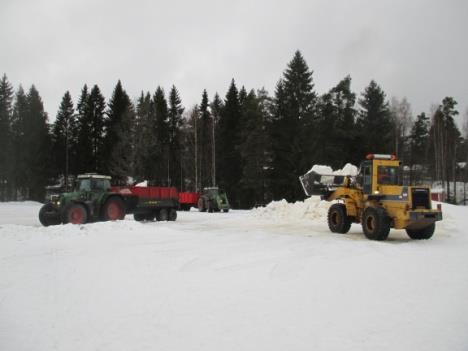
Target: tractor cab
(92, 182)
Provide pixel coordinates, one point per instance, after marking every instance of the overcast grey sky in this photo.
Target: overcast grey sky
(416, 49)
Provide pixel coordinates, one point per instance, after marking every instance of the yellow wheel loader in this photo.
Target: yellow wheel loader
(376, 198)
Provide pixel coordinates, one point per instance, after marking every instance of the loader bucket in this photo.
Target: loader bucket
(320, 184)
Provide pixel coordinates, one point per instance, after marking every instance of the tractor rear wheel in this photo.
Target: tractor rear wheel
(375, 223)
(113, 209)
(75, 214)
(162, 215)
(338, 221)
(421, 234)
(172, 214)
(201, 205)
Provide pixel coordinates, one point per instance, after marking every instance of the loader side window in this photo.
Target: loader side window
(367, 180)
(388, 175)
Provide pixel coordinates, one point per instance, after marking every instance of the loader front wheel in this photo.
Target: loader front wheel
(421, 234)
(376, 223)
(338, 221)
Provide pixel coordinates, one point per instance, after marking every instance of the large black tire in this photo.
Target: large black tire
(162, 215)
(172, 214)
(421, 234)
(139, 217)
(201, 205)
(113, 209)
(338, 221)
(47, 220)
(226, 210)
(75, 214)
(375, 223)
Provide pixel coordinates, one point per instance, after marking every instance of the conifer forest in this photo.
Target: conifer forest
(251, 142)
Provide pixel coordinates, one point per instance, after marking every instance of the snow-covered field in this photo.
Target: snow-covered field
(267, 279)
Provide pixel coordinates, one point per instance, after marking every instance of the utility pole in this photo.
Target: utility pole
(213, 152)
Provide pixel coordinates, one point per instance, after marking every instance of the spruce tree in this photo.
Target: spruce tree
(144, 138)
(119, 132)
(64, 139)
(174, 130)
(253, 149)
(419, 144)
(84, 147)
(374, 122)
(19, 179)
(334, 141)
(204, 141)
(37, 143)
(216, 107)
(161, 147)
(292, 128)
(6, 100)
(229, 139)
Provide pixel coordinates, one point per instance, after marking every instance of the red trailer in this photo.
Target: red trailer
(150, 202)
(188, 200)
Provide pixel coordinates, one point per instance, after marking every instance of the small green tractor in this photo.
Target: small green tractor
(213, 200)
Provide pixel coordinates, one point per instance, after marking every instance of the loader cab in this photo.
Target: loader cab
(380, 172)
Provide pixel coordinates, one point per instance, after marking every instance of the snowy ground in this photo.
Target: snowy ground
(269, 279)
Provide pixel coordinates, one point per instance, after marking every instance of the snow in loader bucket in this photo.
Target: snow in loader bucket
(314, 183)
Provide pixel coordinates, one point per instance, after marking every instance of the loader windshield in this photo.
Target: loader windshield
(388, 175)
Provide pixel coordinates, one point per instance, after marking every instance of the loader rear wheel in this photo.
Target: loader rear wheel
(75, 214)
(113, 209)
(375, 223)
(338, 221)
(421, 234)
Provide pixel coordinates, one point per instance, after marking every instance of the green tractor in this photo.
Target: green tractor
(91, 200)
(213, 200)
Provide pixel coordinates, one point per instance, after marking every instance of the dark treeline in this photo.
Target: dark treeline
(250, 143)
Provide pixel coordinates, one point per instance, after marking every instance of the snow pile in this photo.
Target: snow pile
(311, 208)
(348, 169)
(143, 184)
(319, 169)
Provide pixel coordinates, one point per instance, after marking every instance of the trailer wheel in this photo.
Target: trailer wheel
(421, 234)
(201, 205)
(338, 221)
(172, 214)
(113, 209)
(162, 215)
(48, 220)
(375, 223)
(75, 214)
(138, 217)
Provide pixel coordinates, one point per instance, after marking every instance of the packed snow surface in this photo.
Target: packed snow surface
(348, 169)
(273, 278)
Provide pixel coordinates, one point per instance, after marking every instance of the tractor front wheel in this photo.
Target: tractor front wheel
(113, 209)
(338, 221)
(421, 234)
(75, 214)
(48, 215)
(375, 223)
